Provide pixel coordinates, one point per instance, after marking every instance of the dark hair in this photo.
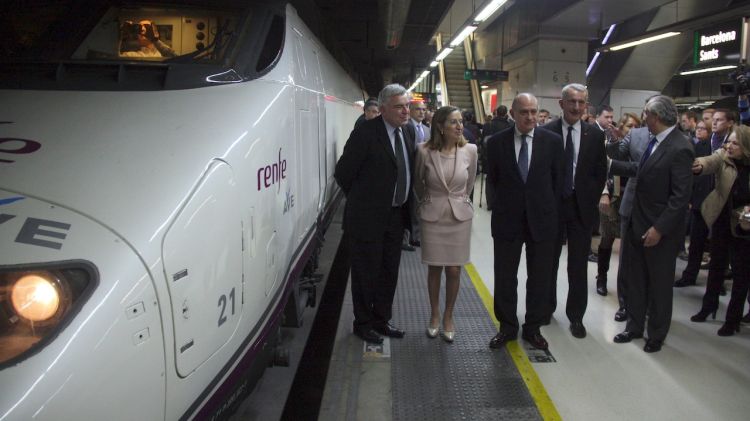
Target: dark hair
(543, 111)
(691, 115)
(729, 114)
(501, 111)
(602, 108)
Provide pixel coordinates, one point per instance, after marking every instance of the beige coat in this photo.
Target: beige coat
(434, 194)
(726, 172)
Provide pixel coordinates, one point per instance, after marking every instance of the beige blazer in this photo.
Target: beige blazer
(433, 192)
(726, 172)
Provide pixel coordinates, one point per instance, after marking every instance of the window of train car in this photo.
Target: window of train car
(143, 45)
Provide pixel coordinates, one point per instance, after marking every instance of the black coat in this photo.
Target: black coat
(591, 170)
(367, 174)
(535, 202)
(702, 184)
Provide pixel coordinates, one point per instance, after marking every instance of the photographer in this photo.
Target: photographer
(142, 40)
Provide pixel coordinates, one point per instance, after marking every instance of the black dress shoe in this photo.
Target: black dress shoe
(593, 258)
(577, 329)
(627, 336)
(389, 330)
(501, 339)
(415, 243)
(601, 290)
(746, 318)
(368, 335)
(536, 340)
(652, 345)
(683, 282)
(621, 315)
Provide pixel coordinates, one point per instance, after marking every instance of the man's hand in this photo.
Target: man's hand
(604, 204)
(651, 237)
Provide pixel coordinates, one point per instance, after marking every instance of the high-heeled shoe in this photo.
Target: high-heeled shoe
(448, 336)
(728, 329)
(703, 315)
(432, 332)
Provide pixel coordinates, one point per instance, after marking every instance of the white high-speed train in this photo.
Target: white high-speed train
(165, 175)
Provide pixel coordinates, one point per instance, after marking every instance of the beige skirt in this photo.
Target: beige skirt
(445, 242)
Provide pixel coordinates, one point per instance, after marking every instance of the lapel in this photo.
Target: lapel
(660, 151)
(509, 143)
(381, 136)
(583, 146)
(435, 156)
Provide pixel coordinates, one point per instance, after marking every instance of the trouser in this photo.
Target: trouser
(539, 256)
(579, 245)
(374, 272)
(698, 241)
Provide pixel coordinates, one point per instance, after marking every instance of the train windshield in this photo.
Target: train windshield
(191, 32)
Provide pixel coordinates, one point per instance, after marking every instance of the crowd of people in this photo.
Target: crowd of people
(641, 178)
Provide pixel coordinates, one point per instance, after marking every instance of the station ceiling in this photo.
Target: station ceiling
(384, 41)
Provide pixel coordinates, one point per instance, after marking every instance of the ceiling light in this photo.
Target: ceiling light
(462, 35)
(709, 69)
(424, 74)
(434, 63)
(489, 10)
(443, 54)
(644, 40)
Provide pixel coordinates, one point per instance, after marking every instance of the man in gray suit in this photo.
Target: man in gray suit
(656, 228)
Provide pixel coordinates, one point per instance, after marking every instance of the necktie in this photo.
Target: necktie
(401, 166)
(420, 132)
(523, 158)
(649, 149)
(569, 159)
(715, 142)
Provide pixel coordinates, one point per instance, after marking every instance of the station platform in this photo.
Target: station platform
(422, 378)
(697, 375)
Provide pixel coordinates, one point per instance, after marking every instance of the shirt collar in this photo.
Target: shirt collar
(664, 133)
(389, 128)
(519, 134)
(576, 125)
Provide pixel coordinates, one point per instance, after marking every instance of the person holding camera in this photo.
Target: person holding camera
(142, 40)
(727, 211)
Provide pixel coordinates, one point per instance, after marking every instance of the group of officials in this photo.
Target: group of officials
(555, 173)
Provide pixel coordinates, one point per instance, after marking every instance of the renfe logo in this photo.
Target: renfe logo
(272, 174)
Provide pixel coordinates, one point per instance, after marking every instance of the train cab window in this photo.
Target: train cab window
(95, 30)
(272, 46)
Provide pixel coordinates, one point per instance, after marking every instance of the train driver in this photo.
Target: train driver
(141, 39)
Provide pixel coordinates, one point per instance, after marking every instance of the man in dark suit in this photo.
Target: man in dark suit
(586, 175)
(702, 186)
(375, 174)
(525, 169)
(657, 224)
(630, 149)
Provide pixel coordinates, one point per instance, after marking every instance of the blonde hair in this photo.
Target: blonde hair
(743, 139)
(437, 141)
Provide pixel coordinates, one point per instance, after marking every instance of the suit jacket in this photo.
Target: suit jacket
(367, 174)
(663, 191)
(702, 184)
(591, 169)
(726, 174)
(630, 150)
(425, 131)
(434, 193)
(535, 202)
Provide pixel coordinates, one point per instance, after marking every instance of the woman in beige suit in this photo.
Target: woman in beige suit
(445, 171)
(726, 210)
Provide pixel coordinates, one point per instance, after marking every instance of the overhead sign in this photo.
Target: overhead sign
(719, 44)
(488, 75)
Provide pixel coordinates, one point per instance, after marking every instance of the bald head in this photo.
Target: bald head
(524, 110)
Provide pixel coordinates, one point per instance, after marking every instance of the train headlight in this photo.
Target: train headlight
(35, 297)
(36, 303)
